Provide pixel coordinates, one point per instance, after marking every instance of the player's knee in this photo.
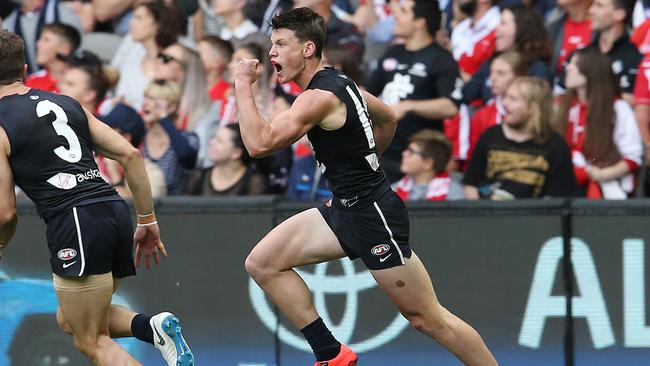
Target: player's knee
(436, 327)
(253, 266)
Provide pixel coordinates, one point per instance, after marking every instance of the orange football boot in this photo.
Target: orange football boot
(346, 357)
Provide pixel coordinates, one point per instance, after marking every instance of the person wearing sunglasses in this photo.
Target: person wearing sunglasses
(424, 163)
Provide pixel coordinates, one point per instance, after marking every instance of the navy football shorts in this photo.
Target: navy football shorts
(92, 239)
(377, 230)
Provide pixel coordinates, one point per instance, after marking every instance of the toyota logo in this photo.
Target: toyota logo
(350, 283)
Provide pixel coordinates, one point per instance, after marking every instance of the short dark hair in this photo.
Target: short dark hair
(430, 11)
(434, 144)
(306, 24)
(12, 57)
(68, 33)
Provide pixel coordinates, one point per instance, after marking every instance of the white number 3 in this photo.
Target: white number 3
(60, 124)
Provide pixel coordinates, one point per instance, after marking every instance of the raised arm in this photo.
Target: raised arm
(110, 144)
(8, 218)
(262, 137)
(384, 121)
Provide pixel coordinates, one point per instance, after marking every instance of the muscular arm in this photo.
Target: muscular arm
(383, 121)
(8, 218)
(110, 144)
(263, 138)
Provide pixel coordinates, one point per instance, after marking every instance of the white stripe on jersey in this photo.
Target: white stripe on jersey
(390, 233)
(81, 244)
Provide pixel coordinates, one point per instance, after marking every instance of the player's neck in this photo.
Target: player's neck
(14, 88)
(312, 67)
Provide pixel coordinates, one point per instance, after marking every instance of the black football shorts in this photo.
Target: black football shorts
(92, 239)
(376, 230)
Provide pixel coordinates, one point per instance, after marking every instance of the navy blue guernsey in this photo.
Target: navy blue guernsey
(348, 155)
(51, 152)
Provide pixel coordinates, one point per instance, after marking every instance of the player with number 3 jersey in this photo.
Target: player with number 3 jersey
(46, 148)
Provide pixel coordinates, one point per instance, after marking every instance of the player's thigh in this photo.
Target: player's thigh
(304, 238)
(409, 287)
(84, 303)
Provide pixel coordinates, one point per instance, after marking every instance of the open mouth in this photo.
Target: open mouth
(277, 66)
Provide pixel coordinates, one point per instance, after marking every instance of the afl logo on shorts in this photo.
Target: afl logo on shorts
(66, 254)
(380, 249)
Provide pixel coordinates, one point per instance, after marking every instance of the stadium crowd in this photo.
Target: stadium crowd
(495, 99)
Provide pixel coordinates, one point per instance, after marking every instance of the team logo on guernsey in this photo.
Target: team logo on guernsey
(63, 181)
(66, 254)
(380, 249)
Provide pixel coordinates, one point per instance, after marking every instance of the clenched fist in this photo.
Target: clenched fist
(247, 71)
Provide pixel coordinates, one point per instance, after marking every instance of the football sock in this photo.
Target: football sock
(321, 340)
(141, 329)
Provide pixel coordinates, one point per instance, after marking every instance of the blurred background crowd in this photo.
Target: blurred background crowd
(495, 99)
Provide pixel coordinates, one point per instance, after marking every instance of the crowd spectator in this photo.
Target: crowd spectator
(56, 39)
(521, 29)
(86, 79)
(232, 173)
(341, 58)
(424, 163)
(153, 27)
(216, 54)
(600, 128)
(416, 78)
(472, 40)
(609, 19)
(28, 22)
(568, 29)
(503, 70)
(522, 157)
(642, 105)
(174, 151)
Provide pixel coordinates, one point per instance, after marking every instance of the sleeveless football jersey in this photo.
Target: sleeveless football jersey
(51, 152)
(348, 155)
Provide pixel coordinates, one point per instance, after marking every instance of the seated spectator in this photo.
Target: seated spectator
(416, 78)
(642, 105)
(503, 70)
(183, 66)
(520, 29)
(56, 39)
(600, 128)
(522, 157)
(153, 27)
(425, 164)
(472, 40)
(174, 151)
(28, 22)
(216, 54)
(128, 123)
(232, 173)
(306, 181)
(86, 79)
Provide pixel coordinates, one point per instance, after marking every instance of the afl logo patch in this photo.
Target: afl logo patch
(66, 254)
(380, 249)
